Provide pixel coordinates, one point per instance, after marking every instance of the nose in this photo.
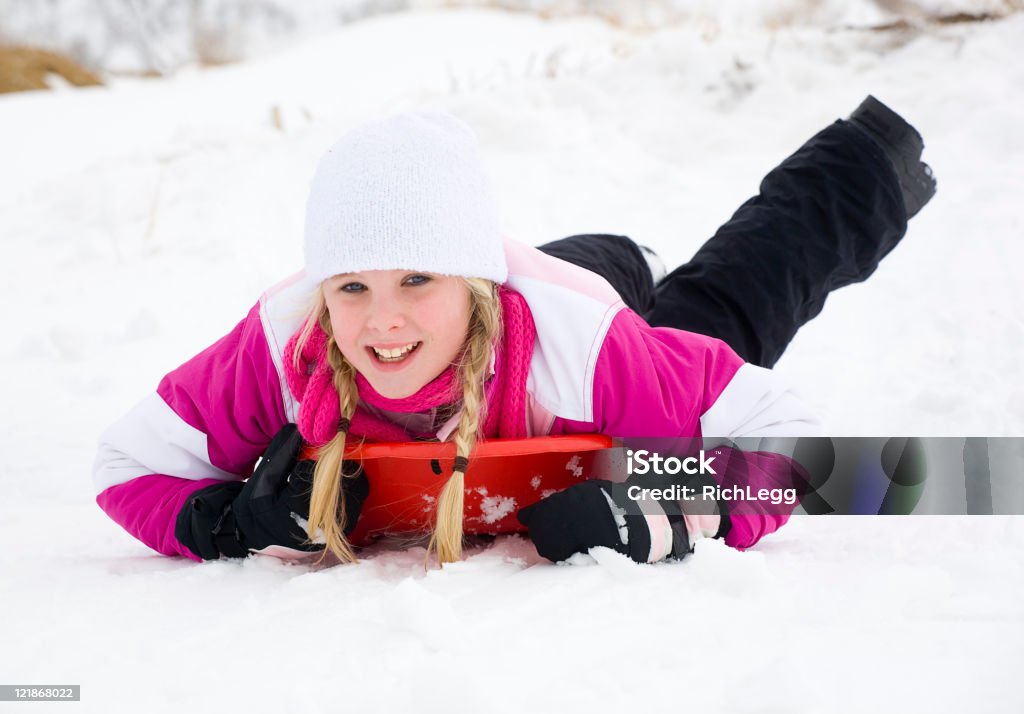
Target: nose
(386, 313)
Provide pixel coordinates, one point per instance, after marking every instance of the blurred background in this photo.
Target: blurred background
(82, 41)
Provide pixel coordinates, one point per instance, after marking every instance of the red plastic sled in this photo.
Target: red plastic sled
(503, 476)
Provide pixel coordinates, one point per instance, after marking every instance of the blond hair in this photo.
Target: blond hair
(327, 513)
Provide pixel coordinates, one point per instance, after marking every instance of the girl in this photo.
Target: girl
(414, 320)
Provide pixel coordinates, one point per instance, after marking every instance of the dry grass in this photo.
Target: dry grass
(26, 68)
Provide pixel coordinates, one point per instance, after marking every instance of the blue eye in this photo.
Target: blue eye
(419, 279)
(356, 288)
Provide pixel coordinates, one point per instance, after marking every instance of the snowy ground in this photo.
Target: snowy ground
(139, 222)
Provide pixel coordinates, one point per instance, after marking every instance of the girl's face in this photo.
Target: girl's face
(400, 329)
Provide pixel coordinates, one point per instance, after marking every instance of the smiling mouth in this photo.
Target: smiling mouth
(395, 355)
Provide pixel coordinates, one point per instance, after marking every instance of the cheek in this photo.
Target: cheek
(456, 325)
(341, 326)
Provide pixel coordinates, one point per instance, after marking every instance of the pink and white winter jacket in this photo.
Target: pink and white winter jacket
(597, 366)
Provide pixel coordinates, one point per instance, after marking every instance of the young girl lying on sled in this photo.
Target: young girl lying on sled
(414, 320)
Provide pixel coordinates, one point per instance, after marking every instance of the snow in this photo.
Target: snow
(140, 221)
(494, 507)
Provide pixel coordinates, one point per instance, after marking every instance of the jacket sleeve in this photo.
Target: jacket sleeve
(208, 421)
(657, 382)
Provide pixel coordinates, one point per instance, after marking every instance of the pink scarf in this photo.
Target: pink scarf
(319, 411)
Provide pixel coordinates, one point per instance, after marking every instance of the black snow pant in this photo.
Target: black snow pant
(822, 219)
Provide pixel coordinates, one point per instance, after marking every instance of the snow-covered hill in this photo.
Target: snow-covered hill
(139, 221)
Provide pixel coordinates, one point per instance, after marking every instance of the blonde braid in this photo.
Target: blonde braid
(327, 501)
(484, 332)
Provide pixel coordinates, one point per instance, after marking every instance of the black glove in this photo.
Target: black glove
(232, 518)
(598, 512)
(590, 514)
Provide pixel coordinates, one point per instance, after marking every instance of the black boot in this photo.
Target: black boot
(903, 145)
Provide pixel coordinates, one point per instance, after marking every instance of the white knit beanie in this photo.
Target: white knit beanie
(404, 193)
